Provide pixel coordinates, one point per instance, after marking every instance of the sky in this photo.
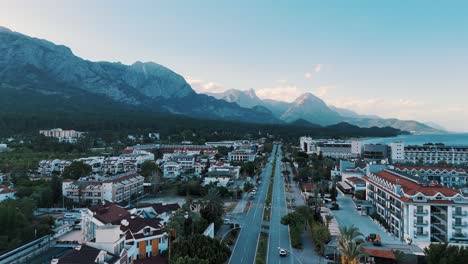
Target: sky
(402, 59)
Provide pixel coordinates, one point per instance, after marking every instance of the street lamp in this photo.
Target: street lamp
(290, 252)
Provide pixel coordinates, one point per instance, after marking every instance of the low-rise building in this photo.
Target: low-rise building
(48, 167)
(171, 170)
(109, 227)
(417, 210)
(241, 156)
(95, 189)
(436, 153)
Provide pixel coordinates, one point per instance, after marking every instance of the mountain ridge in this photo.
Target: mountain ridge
(321, 113)
(53, 69)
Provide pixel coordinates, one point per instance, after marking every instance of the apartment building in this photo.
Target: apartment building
(48, 167)
(417, 210)
(68, 136)
(94, 189)
(447, 176)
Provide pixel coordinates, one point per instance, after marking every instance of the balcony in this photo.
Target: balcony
(460, 224)
(459, 236)
(422, 234)
(420, 213)
(420, 223)
(459, 214)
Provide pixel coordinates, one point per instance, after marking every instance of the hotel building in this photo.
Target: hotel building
(417, 210)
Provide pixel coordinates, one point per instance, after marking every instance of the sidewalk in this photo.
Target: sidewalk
(307, 254)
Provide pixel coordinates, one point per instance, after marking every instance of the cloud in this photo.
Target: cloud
(322, 91)
(282, 93)
(318, 67)
(308, 75)
(201, 86)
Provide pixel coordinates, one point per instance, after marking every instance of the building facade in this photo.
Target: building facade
(68, 136)
(418, 210)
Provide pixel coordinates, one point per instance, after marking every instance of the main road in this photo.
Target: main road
(246, 245)
(279, 234)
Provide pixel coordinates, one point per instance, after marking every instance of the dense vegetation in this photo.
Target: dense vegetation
(446, 254)
(112, 121)
(18, 225)
(199, 249)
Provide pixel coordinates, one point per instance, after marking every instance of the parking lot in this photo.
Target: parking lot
(348, 215)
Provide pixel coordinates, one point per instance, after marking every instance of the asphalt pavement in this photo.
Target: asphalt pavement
(246, 245)
(279, 234)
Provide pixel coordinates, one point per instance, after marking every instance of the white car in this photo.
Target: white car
(227, 221)
(283, 252)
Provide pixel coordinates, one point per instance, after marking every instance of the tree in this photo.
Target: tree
(350, 251)
(199, 249)
(248, 186)
(56, 187)
(333, 192)
(148, 168)
(213, 207)
(446, 254)
(76, 170)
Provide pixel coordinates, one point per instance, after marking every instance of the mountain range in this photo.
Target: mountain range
(36, 69)
(41, 67)
(311, 109)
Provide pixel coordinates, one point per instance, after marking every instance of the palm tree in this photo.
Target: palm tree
(349, 233)
(350, 251)
(328, 219)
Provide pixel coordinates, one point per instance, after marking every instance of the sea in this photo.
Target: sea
(449, 139)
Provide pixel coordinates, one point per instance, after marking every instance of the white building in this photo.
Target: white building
(307, 145)
(171, 170)
(95, 189)
(356, 147)
(336, 149)
(418, 210)
(435, 153)
(68, 136)
(48, 167)
(241, 156)
(397, 150)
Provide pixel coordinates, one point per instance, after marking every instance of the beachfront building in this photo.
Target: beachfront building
(417, 210)
(447, 176)
(431, 154)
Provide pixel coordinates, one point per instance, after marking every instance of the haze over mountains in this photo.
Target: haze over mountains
(34, 68)
(309, 108)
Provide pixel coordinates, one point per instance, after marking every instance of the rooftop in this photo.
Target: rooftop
(413, 185)
(109, 213)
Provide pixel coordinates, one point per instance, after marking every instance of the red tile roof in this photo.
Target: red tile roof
(307, 187)
(109, 213)
(379, 253)
(4, 189)
(411, 188)
(355, 179)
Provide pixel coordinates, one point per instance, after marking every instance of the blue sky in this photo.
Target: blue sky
(404, 59)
